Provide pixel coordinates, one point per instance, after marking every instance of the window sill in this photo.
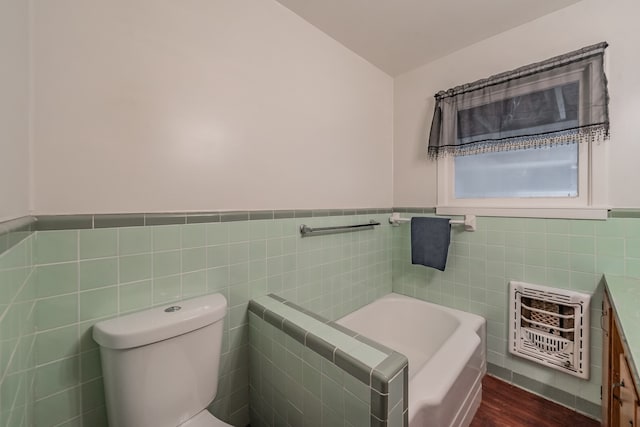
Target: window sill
(599, 213)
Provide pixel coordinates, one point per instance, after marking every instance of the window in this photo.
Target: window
(548, 171)
(530, 172)
(523, 140)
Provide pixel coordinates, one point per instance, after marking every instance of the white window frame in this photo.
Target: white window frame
(591, 202)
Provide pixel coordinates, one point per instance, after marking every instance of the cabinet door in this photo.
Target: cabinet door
(628, 400)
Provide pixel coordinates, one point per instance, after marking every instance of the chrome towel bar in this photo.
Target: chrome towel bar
(306, 230)
(469, 221)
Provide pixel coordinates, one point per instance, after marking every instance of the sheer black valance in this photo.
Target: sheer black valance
(562, 100)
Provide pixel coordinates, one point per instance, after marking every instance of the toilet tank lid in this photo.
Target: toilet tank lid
(160, 323)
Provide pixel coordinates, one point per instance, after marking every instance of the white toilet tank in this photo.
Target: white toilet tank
(160, 366)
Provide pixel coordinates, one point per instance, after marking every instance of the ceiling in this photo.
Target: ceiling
(399, 35)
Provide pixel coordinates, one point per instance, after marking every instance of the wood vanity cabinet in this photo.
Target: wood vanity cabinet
(620, 401)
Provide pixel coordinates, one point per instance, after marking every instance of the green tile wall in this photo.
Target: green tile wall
(82, 276)
(17, 324)
(346, 357)
(55, 285)
(571, 254)
(295, 387)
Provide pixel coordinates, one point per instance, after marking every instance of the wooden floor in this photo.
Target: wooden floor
(504, 405)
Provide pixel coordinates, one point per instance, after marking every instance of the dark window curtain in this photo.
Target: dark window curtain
(562, 100)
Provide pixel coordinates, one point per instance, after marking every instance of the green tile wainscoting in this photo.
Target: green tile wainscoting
(570, 254)
(57, 282)
(17, 340)
(14, 231)
(68, 279)
(307, 371)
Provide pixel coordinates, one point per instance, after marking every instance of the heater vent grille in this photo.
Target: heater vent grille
(550, 326)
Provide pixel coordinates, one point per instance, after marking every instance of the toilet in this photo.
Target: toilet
(160, 366)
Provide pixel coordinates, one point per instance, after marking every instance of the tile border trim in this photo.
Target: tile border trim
(624, 213)
(554, 394)
(93, 221)
(418, 210)
(15, 230)
(377, 378)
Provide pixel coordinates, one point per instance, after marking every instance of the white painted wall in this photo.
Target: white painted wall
(163, 105)
(584, 23)
(14, 109)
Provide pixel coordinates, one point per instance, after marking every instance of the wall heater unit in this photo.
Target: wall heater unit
(550, 326)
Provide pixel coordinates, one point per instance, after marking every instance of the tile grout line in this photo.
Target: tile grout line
(180, 268)
(2, 317)
(118, 308)
(77, 325)
(153, 273)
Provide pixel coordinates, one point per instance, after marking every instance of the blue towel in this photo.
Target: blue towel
(430, 241)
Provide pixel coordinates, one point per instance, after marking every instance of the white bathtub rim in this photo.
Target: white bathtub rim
(429, 385)
(476, 321)
(467, 323)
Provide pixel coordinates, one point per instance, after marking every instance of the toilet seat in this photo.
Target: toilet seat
(204, 419)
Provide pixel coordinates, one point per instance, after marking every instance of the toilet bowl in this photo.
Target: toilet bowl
(160, 366)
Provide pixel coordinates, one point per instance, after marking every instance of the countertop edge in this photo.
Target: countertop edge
(615, 287)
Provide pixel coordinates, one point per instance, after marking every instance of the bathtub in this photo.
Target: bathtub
(445, 349)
